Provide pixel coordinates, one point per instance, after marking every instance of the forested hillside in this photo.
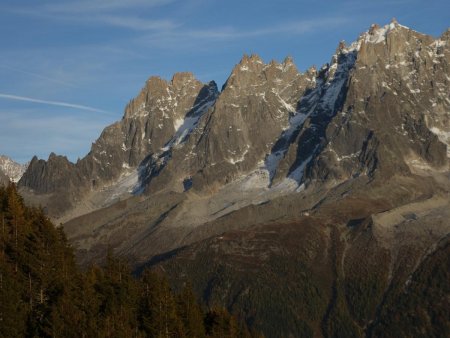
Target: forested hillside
(43, 293)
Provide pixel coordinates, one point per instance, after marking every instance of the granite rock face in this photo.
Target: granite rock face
(379, 107)
(11, 169)
(51, 176)
(148, 125)
(395, 116)
(378, 110)
(233, 137)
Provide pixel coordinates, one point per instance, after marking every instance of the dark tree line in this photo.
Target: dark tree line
(43, 293)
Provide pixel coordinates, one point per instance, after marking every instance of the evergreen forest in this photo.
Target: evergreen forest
(43, 293)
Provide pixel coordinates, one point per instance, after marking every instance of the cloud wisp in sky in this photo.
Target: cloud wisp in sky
(52, 103)
(136, 23)
(114, 13)
(293, 28)
(90, 6)
(188, 39)
(39, 76)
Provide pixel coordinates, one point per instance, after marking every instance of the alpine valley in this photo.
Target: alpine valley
(312, 204)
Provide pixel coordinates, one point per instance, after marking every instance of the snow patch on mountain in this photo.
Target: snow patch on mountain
(12, 169)
(321, 100)
(185, 126)
(378, 34)
(190, 122)
(126, 184)
(443, 136)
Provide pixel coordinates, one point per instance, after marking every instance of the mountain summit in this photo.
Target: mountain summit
(328, 170)
(12, 170)
(378, 109)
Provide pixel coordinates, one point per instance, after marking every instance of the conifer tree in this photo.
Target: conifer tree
(44, 294)
(158, 312)
(190, 313)
(12, 312)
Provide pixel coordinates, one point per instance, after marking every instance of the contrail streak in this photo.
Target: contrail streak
(39, 76)
(52, 103)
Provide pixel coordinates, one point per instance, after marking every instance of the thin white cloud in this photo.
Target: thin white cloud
(136, 23)
(300, 27)
(183, 37)
(52, 103)
(108, 12)
(292, 28)
(36, 75)
(110, 18)
(90, 6)
(118, 13)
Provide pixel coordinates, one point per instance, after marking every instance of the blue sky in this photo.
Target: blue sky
(68, 68)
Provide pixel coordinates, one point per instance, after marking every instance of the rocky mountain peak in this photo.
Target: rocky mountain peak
(55, 174)
(12, 169)
(181, 79)
(288, 61)
(373, 28)
(276, 127)
(445, 37)
(245, 71)
(252, 74)
(312, 71)
(163, 97)
(377, 34)
(250, 59)
(155, 87)
(390, 43)
(162, 115)
(400, 71)
(53, 157)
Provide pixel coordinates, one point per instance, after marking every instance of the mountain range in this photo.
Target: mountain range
(313, 204)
